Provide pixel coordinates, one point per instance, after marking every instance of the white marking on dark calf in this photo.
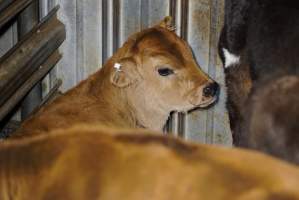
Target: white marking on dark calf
(230, 59)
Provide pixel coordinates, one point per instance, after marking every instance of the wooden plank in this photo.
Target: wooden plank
(53, 93)
(18, 64)
(26, 20)
(9, 9)
(4, 4)
(50, 97)
(45, 20)
(49, 81)
(29, 83)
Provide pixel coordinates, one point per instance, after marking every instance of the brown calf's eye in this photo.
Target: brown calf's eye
(165, 71)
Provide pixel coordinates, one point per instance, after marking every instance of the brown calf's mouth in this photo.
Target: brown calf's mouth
(209, 103)
(205, 105)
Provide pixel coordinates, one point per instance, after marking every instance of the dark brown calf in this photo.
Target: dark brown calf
(258, 44)
(271, 117)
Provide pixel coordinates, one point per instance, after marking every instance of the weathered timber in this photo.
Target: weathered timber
(29, 83)
(10, 9)
(20, 62)
(27, 19)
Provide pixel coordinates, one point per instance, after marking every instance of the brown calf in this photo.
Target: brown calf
(106, 164)
(151, 75)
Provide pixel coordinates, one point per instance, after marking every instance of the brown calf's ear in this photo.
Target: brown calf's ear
(167, 23)
(126, 74)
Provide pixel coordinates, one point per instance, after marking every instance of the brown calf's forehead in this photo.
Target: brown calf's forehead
(163, 41)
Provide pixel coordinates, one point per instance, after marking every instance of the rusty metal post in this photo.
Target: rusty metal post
(26, 21)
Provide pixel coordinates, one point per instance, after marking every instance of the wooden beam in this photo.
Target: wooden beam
(27, 19)
(29, 83)
(51, 96)
(4, 4)
(19, 63)
(10, 9)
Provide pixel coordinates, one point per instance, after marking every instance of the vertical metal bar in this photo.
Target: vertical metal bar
(111, 21)
(178, 17)
(105, 32)
(184, 35)
(107, 29)
(182, 125)
(175, 11)
(211, 68)
(172, 124)
(53, 72)
(172, 10)
(178, 9)
(51, 4)
(43, 8)
(79, 41)
(184, 19)
(144, 14)
(116, 25)
(26, 21)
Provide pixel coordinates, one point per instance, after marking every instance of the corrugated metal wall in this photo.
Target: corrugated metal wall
(96, 28)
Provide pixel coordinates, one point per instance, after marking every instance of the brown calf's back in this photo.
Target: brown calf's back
(106, 164)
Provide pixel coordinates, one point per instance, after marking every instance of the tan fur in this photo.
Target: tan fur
(136, 96)
(106, 164)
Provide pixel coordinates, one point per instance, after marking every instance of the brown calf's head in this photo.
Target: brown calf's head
(160, 74)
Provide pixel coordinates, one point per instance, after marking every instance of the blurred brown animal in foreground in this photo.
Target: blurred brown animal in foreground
(106, 164)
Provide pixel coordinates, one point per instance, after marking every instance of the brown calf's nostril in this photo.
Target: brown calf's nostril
(211, 90)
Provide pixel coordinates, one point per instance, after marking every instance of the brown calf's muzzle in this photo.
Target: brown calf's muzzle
(204, 95)
(210, 94)
(211, 90)
(205, 90)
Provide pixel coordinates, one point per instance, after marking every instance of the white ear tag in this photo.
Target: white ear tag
(117, 66)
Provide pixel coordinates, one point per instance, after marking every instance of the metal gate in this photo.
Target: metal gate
(96, 28)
